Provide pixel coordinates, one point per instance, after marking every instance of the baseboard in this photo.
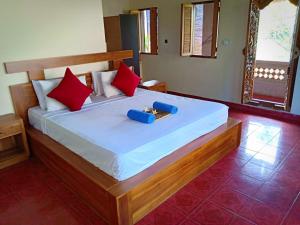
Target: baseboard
(268, 113)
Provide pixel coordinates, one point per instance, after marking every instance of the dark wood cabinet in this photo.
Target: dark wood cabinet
(122, 33)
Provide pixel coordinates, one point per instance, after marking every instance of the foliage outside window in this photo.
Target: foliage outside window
(276, 31)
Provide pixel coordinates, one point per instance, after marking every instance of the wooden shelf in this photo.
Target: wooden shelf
(11, 157)
(13, 141)
(9, 153)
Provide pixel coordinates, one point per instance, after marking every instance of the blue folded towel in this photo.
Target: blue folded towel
(140, 116)
(165, 107)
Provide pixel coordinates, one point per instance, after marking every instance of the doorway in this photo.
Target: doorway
(270, 52)
(135, 30)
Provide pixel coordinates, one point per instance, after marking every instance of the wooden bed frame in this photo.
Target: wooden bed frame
(126, 202)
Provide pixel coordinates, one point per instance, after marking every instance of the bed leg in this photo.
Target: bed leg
(121, 214)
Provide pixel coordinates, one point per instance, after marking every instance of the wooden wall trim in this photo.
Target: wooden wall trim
(47, 63)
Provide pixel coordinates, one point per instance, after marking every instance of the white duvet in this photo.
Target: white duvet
(102, 134)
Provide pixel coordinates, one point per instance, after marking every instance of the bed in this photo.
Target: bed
(122, 180)
(102, 134)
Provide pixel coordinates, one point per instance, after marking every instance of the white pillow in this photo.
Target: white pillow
(39, 94)
(106, 79)
(44, 87)
(98, 83)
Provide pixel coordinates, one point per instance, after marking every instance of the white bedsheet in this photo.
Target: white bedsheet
(102, 134)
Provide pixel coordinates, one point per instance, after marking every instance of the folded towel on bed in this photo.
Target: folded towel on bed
(165, 107)
(140, 116)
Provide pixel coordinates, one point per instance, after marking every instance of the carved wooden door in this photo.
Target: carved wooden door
(293, 65)
(250, 53)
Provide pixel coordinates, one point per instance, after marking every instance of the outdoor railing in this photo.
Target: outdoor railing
(271, 70)
(270, 78)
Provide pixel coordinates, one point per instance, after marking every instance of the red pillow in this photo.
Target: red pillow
(70, 92)
(126, 80)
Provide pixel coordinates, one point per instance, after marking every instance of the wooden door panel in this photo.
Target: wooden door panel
(250, 53)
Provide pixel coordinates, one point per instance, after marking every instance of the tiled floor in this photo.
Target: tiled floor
(258, 183)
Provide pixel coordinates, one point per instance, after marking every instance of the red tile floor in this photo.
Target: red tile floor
(258, 183)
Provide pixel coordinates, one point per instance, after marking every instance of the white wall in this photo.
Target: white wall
(296, 98)
(219, 78)
(32, 29)
(115, 7)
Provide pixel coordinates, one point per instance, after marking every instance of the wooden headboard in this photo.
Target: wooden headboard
(23, 95)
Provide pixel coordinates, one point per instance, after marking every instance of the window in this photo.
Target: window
(148, 31)
(200, 29)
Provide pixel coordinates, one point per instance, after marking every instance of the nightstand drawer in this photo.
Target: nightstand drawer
(10, 130)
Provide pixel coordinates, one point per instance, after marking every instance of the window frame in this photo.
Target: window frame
(153, 47)
(215, 32)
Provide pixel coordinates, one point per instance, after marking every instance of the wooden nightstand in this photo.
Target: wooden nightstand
(13, 142)
(155, 85)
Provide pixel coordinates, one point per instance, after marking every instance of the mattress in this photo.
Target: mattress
(102, 134)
